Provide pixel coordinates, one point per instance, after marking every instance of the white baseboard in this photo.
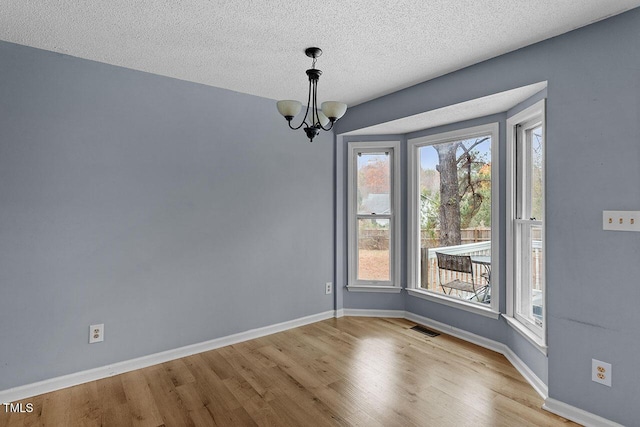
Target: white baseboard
(458, 333)
(576, 414)
(46, 386)
(538, 385)
(358, 312)
(555, 406)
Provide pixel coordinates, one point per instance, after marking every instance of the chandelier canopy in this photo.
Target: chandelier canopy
(314, 119)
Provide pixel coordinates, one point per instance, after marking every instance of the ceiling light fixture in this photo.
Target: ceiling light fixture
(330, 110)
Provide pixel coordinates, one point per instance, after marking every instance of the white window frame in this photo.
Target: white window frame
(355, 285)
(534, 334)
(413, 218)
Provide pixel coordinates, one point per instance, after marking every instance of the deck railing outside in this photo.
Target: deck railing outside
(429, 264)
(429, 267)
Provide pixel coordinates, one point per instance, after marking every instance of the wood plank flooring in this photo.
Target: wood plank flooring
(352, 371)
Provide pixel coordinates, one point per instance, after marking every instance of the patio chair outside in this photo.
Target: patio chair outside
(462, 265)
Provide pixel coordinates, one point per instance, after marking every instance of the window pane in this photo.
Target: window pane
(527, 267)
(373, 249)
(374, 183)
(455, 214)
(530, 296)
(537, 209)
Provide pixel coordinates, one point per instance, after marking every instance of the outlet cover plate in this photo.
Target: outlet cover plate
(621, 220)
(96, 333)
(328, 288)
(601, 372)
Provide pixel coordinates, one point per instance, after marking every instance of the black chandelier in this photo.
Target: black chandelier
(329, 112)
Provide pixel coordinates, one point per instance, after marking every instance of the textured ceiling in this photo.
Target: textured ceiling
(371, 48)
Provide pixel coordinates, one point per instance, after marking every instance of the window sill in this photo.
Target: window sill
(374, 288)
(527, 334)
(454, 302)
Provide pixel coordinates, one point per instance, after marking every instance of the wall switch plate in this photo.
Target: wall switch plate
(96, 333)
(601, 372)
(621, 220)
(328, 288)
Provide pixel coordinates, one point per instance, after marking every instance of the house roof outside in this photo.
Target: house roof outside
(376, 203)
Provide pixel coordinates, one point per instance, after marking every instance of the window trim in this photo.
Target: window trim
(413, 217)
(536, 336)
(353, 284)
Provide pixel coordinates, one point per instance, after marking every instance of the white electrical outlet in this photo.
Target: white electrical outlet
(328, 288)
(601, 372)
(96, 333)
(621, 220)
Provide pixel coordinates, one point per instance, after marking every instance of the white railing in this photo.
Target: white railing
(479, 248)
(530, 282)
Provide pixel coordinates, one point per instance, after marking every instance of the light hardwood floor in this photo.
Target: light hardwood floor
(352, 371)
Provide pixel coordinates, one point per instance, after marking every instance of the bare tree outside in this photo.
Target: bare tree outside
(449, 210)
(463, 176)
(455, 200)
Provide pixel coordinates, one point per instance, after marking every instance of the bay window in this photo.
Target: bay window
(453, 218)
(373, 211)
(526, 217)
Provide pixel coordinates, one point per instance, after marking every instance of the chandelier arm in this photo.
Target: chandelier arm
(315, 95)
(308, 103)
(305, 113)
(330, 126)
(294, 128)
(313, 101)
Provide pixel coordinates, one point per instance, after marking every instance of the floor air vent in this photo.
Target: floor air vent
(423, 330)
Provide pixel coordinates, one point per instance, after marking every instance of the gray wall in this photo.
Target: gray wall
(176, 213)
(593, 156)
(172, 212)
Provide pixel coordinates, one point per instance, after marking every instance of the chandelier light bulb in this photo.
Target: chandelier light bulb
(289, 108)
(333, 109)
